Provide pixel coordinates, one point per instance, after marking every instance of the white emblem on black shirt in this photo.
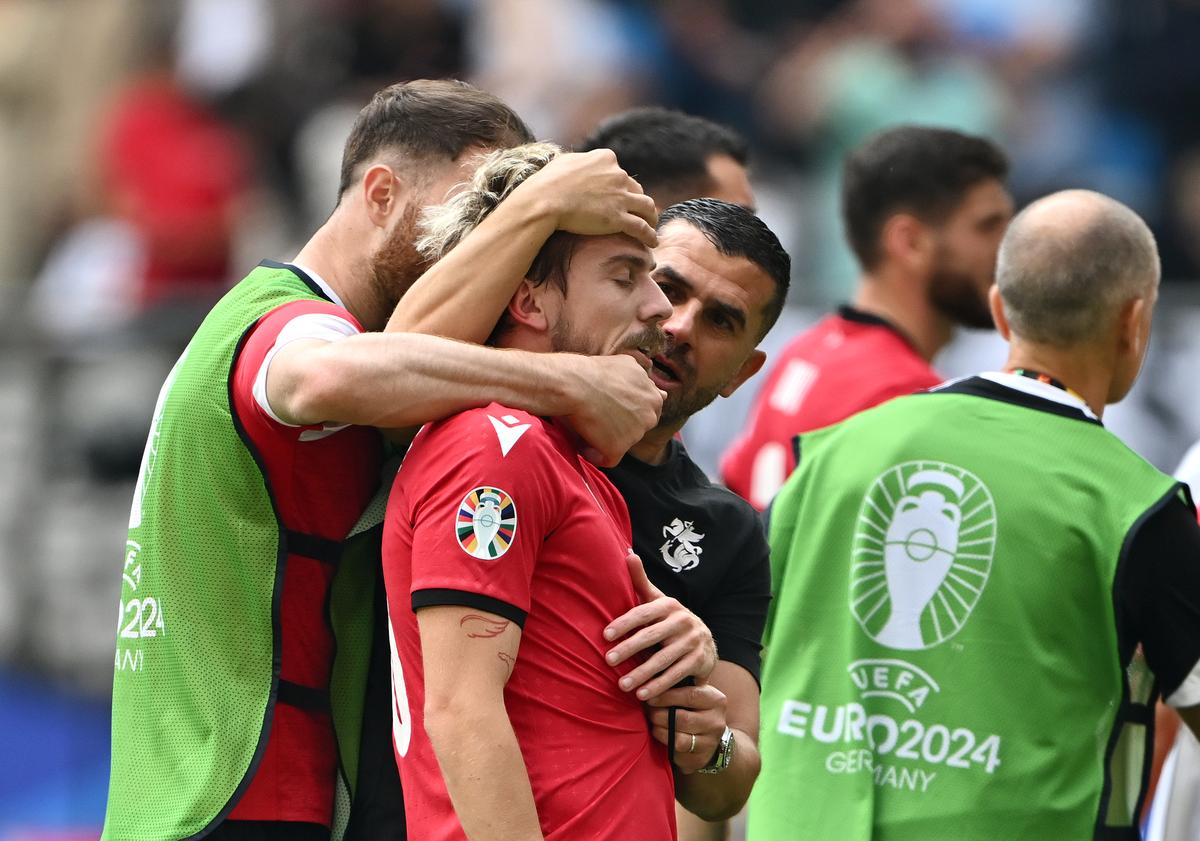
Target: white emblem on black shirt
(681, 551)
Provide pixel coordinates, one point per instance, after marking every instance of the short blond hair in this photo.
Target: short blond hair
(444, 226)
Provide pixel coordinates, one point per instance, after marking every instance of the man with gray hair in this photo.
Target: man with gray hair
(979, 590)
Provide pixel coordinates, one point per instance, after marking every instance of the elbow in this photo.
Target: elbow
(713, 809)
(315, 397)
(452, 718)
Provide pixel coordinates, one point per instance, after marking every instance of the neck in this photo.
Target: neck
(652, 449)
(336, 253)
(906, 305)
(1088, 380)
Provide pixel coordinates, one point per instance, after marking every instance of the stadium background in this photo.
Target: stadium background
(151, 151)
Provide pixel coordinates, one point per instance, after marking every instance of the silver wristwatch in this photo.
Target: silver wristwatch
(723, 756)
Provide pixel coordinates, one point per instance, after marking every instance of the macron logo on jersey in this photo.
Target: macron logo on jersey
(509, 430)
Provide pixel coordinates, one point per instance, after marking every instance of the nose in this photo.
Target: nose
(656, 308)
(683, 319)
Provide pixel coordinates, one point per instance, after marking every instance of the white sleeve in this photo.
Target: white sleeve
(1188, 470)
(313, 325)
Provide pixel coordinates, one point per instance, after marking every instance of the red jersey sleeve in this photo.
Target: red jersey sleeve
(479, 494)
(260, 344)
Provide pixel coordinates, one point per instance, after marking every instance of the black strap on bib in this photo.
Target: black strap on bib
(311, 546)
(303, 697)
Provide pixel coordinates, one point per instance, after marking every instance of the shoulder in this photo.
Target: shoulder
(308, 311)
(728, 508)
(491, 433)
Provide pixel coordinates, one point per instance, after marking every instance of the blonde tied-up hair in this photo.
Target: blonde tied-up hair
(444, 226)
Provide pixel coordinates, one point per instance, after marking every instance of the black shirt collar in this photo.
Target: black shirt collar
(851, 313)
(633, 464)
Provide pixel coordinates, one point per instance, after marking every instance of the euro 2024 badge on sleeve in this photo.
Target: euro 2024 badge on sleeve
(922, 553)
(486, 524)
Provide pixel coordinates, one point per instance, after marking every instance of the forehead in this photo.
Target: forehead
(729, 181)
(591, 252)
(711, 274)
(987, 198)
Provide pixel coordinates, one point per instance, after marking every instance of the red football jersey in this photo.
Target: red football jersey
(495, 509)
(848, 362)
(321, 481)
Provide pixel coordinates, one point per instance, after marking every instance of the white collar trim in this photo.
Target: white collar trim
(320, 281)
(1038, 389)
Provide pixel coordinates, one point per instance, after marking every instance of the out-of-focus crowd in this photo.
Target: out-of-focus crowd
(150, 149)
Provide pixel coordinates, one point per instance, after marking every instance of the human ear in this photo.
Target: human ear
(1134, 326)
(907, 240)
(750, 367)
(996, 305)
(528, 306)
(381, 193)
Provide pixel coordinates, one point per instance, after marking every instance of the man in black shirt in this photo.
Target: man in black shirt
(726, 276)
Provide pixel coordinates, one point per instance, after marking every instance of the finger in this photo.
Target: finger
(643, 640)
(641, 583)
(642, 205)
(692, 697)
(598, 457)
(639, 229)
(665, 677)
(653, 677)
(693, 721)
(638, 617)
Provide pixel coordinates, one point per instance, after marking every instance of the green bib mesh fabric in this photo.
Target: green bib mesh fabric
(197, 655)
(941, 651)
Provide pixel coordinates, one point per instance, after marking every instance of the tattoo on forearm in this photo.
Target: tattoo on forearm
(478, 626)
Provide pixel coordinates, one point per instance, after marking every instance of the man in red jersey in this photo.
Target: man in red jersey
(924, 210)
(505, 558)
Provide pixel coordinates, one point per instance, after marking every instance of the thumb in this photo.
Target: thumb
(641, 584)
(595, 457)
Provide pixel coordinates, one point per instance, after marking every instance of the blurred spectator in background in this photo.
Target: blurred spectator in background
(1157, 78)
(175, 171)
(564, 64)
(676, 156)
(157, 229)
(924, 210)
(869, 65)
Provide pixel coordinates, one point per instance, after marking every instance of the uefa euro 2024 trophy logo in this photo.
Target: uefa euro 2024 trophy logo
(923, 549)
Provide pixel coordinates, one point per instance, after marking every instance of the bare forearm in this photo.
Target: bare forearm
(715, 797)
(485, 774)
(463, 294)
(406, 379)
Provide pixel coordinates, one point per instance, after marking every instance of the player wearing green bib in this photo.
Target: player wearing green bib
(246, 614)
(980, 591)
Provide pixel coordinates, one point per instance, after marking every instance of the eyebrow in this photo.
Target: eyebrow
(635, 261)
(734, 313)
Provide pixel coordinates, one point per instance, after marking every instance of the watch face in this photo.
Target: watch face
(723, 756)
